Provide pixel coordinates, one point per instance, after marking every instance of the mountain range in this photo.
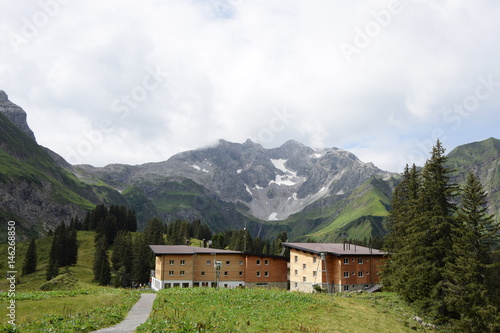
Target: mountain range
(323, 195)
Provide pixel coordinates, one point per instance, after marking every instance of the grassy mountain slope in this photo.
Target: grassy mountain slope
(483, 159)
(180, 198)
(357, 215)
(35, 191)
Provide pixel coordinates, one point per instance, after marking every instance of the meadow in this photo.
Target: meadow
(263, 310)
(73, 303)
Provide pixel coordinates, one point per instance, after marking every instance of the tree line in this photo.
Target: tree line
(442, 244)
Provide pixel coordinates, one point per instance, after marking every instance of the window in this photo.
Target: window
(240, 273)
(360, 260)
(208, 262)
(228, 262)
(346, 261)
(360, 274)
(266, 262)
(346, 274)
(258, 274)
(171, 273)
(352, 260)
(376, 260)
(172, 262)
(303, 266)
(367, 273)
(226, 273)
(296, 259)
(182, 273)
(202, 273)
(346, 288)
(258, 261)
(353, 273)
(183, 262)
(304, 279)
(314, 273)
(295, 284)
(266, 274)
(314, 260)
(241, 262)
(296, 272)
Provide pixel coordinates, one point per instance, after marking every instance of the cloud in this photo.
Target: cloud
(152, 79)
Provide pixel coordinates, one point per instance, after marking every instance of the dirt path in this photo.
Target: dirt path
(137, 315)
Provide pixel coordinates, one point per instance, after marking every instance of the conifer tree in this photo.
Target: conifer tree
(30, 261)
(468, 276)
(122, 258)
(101, 269)
(404, 211)
(141, 265)
(52, 269)
(153, 232)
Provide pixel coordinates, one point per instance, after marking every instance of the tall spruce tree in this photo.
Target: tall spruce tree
(424, 225)
(122, 258)
(403, 213)
(141, 265)
(101, 269)
(469, 277)
(31, 259)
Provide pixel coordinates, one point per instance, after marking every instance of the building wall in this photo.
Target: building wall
(264, 269)
(343, 273)
(175, 270)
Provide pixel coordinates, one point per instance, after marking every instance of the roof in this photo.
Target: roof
(338, 249)
(185, 249)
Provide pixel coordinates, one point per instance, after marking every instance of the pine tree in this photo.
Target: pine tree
(122, 258)
(404, 211)
(424, 225)
(30, 261)
(468, 276)
(141, 266)
(101, 269)
(52, 269)
(153, 232)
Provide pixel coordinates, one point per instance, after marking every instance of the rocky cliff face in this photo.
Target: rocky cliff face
(271, 183)
(15, 114)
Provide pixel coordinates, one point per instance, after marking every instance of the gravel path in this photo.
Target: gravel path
(137, 315)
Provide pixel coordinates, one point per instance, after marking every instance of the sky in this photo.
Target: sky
(138, 81)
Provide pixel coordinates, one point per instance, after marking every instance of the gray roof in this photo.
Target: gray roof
(338, 249)
(185, 249)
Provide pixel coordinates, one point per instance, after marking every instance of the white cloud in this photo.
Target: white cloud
(228, 65)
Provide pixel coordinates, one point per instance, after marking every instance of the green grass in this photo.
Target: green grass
(82, 270)
(262, 310)
(82, 310)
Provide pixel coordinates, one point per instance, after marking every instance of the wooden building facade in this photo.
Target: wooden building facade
(189, 266)
(333, 267)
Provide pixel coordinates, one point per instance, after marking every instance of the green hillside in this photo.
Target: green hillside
(30, 176)
(483, 159)
(184, 198)
(358, 215)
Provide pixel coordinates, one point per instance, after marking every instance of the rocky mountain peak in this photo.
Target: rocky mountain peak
(3, 96)
(15, 114)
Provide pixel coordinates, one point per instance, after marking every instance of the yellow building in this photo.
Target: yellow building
(333, 267)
